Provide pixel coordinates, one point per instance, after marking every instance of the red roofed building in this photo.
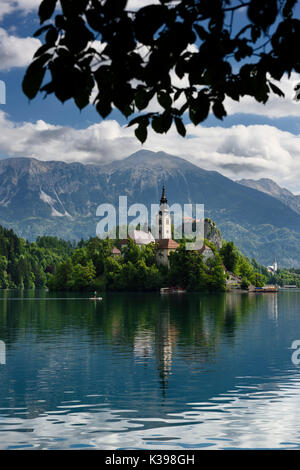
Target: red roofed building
(115, 251)
(164, 248)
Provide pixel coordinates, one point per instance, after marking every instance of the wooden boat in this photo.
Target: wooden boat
(269, 289)
(172, 290)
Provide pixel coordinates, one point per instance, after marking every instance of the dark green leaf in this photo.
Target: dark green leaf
(34, 76)
(41, 50)
(180, 127)
(288, 8)
(42, 30)
(147, 21)
(177, 94)
(48, 88)
(140, 119)
(85, 88)
(46, 9)
(104, 107)
(199, 108)
(142, 98)
(161, 123)
(255, 33)
(164, 99)
(219, 110)
(263, 13)
(276, 90)
(141, 132)
(51, 36)
(60, 21)
(157, 124)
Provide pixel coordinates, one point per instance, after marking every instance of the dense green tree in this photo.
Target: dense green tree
(229, 255)
(245, 283)
(98, 251)
(133, 271)
(187, 269)
(224, 48)
(80, 256)
(83, 276)
(131, 252)
(62, 280)
(4, 282)
(258, 279)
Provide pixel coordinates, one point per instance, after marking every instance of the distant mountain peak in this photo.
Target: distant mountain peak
(268, 186)
(149, 159)
(263, 183)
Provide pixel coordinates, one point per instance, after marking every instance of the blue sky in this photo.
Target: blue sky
(254, 140)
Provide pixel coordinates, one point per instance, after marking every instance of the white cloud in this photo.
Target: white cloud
(27, 6)
(98, 143)
(276, 107)
(16, 51)
(238, 152)
(133, 5)
(10, 6)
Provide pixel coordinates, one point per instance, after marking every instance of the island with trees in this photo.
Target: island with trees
(97, 264)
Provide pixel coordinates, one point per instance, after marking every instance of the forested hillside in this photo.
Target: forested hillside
(28, 265)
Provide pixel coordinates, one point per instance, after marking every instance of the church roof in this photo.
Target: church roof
(167, 243)
(115, 251)
(142, 238)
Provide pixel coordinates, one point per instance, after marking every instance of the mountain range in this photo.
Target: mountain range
(56, 198)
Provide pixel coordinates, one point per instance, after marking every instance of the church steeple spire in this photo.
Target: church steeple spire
(163, 199)
(163, 217)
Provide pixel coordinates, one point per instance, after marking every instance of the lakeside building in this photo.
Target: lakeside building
(273, 268)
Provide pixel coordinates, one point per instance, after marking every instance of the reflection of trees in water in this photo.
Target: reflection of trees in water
(145, 325)
(203, 322)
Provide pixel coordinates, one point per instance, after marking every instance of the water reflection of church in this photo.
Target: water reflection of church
(159, 343)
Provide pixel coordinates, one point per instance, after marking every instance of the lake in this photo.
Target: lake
(149, 371)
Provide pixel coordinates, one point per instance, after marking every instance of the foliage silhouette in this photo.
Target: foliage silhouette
(187, 55)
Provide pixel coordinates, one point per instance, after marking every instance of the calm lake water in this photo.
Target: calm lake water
(145, 371)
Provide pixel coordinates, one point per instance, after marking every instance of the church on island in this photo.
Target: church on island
(165, 243)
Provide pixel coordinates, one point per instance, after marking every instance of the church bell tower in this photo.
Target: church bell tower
(164, 218)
